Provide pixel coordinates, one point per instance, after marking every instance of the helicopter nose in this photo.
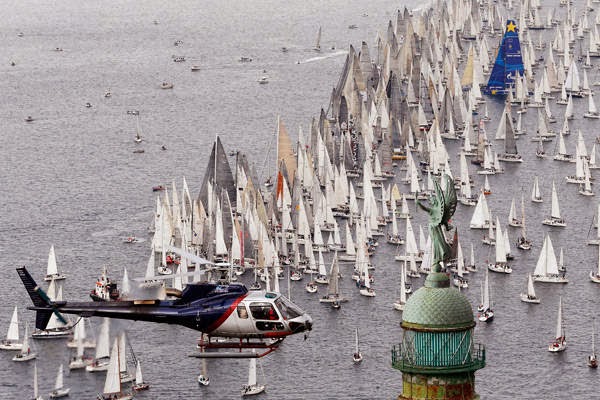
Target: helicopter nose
(308, 324)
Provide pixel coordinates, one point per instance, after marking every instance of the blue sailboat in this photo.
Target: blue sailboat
(509, 62)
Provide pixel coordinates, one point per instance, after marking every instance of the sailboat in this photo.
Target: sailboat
(560, 341)
(333, 288)
(138, 132)
(501, 264)
(203, 378)
(79, 361)
(522, 242)
(26, 354)
(52, 269)
(546, 269)
(536, 195)
(471, 266)
(318, 41)
(399, 304)
(357, 355)
(555, 218)
(80, 331)
(252, 387)
(12, 336)
(113, 389)
(139, 379)
(366, 289)
(592, 110)
(529, 295)
(36, 391)
(486, 313)
(511, 153)
(595, 275)
(59, 389)
(101, 359)
(509, 63)
(592, 359)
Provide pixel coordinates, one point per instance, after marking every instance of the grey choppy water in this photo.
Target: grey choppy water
(71, 179)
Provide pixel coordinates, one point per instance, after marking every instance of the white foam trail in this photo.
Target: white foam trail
(319, 58)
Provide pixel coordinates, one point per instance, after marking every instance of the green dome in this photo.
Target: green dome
(437, 306)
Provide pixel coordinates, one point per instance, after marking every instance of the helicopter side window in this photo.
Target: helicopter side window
(242, 311)
(263, 311)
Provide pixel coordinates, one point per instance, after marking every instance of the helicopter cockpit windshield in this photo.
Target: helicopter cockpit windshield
(287, 309)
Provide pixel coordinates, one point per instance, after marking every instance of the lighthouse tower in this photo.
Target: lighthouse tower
(437, 356)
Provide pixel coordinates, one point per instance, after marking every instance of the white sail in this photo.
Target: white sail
(52, 267)
(13, 328)
(486, 293)
(112, 384)
(546, 264)
(403, 283)
(139, 379)
(555, 212)
(252, 372)
(122, 351)
(559, 323)
(103, 343)
(530, 288)
(59, 378)
(500, 245)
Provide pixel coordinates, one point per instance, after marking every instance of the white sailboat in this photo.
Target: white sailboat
(592, 359)
(546, 269)
(512, 215)
(523, 242)
(12, 336)
(486, 313)
(592, 109)
(333, 289)
(56, 328)
(80, 331)
(595, 275)
(536, 195)
(113, 389)
(399, 304)
(138, 131)
(59, 389)
(471, 266)
(101, 359)
(555, 218)
(139, 378)
(80, 361)
(318, 41)
(529, 295)
(560, 340)
(366, 289)
(501, 264)
(52, 269)
(357, 355)
(26, 353)
(252, 387)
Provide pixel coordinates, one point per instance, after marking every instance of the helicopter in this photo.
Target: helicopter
(230, 316)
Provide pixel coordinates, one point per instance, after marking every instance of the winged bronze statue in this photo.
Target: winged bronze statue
(442, 205)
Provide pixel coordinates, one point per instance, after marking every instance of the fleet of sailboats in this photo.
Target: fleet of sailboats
(325, 188)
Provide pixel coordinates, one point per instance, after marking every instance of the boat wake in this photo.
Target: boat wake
(324, 57)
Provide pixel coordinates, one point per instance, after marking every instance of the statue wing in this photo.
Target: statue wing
(436, 214)
(450, 200)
